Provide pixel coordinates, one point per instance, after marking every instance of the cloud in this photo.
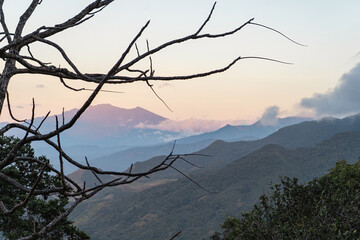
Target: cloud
(164, 85)
(189, 126)
(25, 106)
(344, 98)
(40, 86)
(36, 105)
(270, 116)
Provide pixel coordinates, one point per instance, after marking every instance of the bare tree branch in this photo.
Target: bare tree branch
(175, 236)
(96, 176)
(272, 29)
(6, 33)
(44, 32)
(9, 108)
(190, 179)
(24, 18)
(64, 55)
(62, 175)
(151, 75)
(84, 89)
(42, 121)
(124, 71)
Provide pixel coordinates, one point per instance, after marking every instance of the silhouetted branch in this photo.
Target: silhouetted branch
(6, 32)
(188, 162)
(123, 71)
(9, 108)
(175, 236)
(42, 121)
(96, 176)
(84, 89)
(190, 179)
(62, 175)
(272, 29)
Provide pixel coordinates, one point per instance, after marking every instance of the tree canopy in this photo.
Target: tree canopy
(39, 210)
(325, 208)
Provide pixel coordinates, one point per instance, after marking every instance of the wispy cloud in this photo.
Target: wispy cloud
(190, 126)
(344, 98)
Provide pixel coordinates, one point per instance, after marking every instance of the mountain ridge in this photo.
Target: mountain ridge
(220, 153)
(158, 212)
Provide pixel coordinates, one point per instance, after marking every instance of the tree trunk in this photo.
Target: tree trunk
(7, 73)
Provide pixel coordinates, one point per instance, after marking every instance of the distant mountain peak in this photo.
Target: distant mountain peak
(108, 114)
(227, 126)
(102, 105)
(107, 120)
(107, 106)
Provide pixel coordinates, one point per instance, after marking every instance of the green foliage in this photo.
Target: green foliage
(325, 208)
(40, 210)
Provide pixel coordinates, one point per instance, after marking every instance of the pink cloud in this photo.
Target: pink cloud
(190, 126)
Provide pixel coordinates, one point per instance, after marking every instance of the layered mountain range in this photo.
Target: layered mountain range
(234, 175)
(116, 137)
(236, 165)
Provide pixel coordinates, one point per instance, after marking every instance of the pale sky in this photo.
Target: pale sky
(329, 27)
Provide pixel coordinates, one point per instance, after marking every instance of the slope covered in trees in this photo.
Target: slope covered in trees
(324, 208)
(32, 213)
(162, 211)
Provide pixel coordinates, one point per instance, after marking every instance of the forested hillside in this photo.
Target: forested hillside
(182, 206)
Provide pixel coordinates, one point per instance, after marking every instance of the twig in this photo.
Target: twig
(9, 108)
(42, 121)
(175, 236)
(151, 75)
(272, 29)
(96, 176)
(191, 180)
(84, 89)
(60, 155)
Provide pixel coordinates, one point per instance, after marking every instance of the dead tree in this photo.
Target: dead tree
(124, 71)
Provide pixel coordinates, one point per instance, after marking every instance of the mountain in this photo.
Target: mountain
(244, 132)
(310, 133)
(162, 211)
(112, 136)
(108, 116)
(221, 156)
(106, 125)
(78, 152)
(121, 160)
(220, 153)
(101, 130)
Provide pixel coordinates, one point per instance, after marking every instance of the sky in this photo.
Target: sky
(322, 81)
